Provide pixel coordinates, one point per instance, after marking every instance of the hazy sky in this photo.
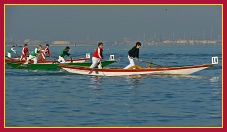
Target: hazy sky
(112, 22)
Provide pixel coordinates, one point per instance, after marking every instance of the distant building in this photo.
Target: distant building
(168, 42)
(212, 41)
(32, 42)
(181, 41)
(62, 42)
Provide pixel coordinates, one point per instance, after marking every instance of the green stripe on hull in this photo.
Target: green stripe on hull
(52, 66)
(33, 66)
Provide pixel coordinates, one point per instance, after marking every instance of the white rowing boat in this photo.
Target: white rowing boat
(183, 70)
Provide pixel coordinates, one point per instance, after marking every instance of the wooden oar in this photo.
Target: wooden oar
(29, 60)
(53, 57)
(55, 60)
(71, 59)
(17, 55)
(149, 62)
(24, 63)
(20, 65)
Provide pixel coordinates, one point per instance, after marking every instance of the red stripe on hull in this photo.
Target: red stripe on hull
(139, 70)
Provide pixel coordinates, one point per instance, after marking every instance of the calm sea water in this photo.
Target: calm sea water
(58, 98)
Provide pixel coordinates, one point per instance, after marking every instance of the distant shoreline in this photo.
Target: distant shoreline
(72, 45)
(53, 45)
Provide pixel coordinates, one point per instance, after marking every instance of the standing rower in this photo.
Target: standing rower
(25, 51)
(132, 54)
(97, 56)
(43, 53)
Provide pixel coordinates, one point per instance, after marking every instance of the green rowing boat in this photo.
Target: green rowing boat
(41, 66)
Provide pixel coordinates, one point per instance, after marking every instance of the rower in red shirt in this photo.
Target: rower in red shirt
(43, 53)
(25, 51)
(97, 56)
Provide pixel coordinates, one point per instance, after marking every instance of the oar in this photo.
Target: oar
(94, 67)
(17, 54)
(71, 59)
(80, 55)
(55, 60)
(19, 66)
(149, 62)
(53, 57)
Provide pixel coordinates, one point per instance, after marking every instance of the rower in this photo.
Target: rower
(34, 54)
(97, 56)
(44, 52)
(132, 54)
(10, 51)
(25, 51)
(63, 53)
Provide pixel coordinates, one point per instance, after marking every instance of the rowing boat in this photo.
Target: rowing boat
(53, 64)
(16, 60)
(71, 60)
(12, 59)
(50, 66)
(180, 70)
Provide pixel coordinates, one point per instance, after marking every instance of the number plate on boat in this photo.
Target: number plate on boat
(215, 60)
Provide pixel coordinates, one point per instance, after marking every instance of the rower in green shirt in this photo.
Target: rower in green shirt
(62, 54)
(34, 54)
(10, 51)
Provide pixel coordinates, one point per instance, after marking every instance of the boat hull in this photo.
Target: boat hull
(16, 60)
(50, 66)
(185, 70)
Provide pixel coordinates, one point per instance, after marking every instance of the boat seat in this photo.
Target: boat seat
(135, 67)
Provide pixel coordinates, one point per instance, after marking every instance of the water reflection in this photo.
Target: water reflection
(95, 80)
(96, 90)
(216, 85)
(133, 81)
(214, 79)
